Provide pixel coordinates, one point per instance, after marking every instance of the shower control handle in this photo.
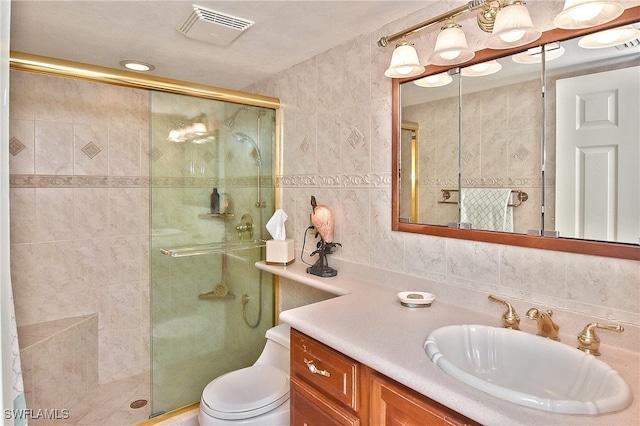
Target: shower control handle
(245, 225)
(315, 369)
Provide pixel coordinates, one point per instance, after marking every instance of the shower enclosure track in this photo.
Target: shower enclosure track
(224, 247)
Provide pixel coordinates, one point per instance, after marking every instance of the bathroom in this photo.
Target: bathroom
(314, 153)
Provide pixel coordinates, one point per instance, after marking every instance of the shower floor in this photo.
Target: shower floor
(109, 404)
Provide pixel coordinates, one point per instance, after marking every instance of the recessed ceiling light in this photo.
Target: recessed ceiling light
(137, 65)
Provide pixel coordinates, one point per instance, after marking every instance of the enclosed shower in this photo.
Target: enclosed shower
(212, 191)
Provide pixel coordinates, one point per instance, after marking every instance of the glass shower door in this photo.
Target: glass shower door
(212, 191)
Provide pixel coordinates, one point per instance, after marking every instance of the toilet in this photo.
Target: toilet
(256, 395)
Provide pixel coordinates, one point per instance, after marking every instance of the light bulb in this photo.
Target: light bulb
(512, 36)
(605, 37)
(450, 55)
(404, 70)
(586, 12)
(480, 67)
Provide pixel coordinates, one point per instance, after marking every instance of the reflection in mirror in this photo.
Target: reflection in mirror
(593, 134)
(409, 171)
(432, 103)
(501, 145)
(507, 142)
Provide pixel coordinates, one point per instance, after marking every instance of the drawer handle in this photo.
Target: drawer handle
(315, 369)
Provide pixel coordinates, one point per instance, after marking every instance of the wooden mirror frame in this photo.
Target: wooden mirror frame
(596, 248)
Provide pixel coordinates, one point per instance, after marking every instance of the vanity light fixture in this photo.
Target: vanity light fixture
(404, 61)
(587, 13)
(451, 46)
(512, 27)
(481, 69)
(435, 80)
(609, 38)
(507, 20)
(136, 65)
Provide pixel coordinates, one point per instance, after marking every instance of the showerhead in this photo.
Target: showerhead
(241, 137)
(231, 120)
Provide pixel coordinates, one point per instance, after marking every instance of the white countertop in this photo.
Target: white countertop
(368, 324)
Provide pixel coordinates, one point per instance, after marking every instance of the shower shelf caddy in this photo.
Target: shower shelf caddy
(224, 247)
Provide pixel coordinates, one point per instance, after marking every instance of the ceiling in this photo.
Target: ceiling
(284, 33)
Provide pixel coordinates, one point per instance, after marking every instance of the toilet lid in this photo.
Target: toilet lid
(246, 393)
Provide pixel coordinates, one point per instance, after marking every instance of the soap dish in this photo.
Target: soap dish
(416, 299)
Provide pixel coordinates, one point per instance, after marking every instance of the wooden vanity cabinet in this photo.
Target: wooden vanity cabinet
(394, 404)
(326, 386)
(329, 388)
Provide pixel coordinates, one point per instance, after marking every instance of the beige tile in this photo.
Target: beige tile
(56, 267)
(54, 214)
(22, 99)
(22, 215)
(53, 148)
(124, 211)
(91, 149)
(91, 212)
(21, 146)
(124, 150)
(91, 269)
(55, 98)
(473, 262)
(604, 282)
(91, 106)
(124, 259)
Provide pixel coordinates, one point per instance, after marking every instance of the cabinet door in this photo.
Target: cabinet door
(395, 404)
(311, 408)
(325, 369)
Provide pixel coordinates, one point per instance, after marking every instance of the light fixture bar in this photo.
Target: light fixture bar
(472, 5)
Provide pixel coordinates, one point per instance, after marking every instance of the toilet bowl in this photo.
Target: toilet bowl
(255, 395)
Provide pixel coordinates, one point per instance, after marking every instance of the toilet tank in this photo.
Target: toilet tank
(276, 350)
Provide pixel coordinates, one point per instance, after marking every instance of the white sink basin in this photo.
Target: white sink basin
(528, 370)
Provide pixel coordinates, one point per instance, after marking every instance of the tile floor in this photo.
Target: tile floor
(108, 405)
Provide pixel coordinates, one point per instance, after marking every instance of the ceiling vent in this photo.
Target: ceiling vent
(211, 26)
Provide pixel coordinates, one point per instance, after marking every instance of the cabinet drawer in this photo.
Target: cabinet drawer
(324, 369)
(394, 404)
(308, 408)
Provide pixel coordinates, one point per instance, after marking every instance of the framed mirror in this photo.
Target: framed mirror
(495, 135)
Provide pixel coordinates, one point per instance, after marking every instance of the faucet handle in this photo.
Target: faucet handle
(589, 340)
(510, 318)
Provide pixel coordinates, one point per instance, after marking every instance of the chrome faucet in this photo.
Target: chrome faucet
(546, 327)
(510, 318)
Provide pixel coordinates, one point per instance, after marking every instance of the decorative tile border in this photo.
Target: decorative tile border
(71, 181)
(486, 182)
(378, 180)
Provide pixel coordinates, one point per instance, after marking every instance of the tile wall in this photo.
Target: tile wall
(337, 146)
(79, 211)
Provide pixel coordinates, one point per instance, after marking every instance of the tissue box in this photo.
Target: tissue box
(280, 252)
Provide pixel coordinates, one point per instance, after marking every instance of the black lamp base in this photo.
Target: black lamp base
(322, 271)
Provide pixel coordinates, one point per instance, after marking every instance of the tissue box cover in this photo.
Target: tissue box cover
(280, 252)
